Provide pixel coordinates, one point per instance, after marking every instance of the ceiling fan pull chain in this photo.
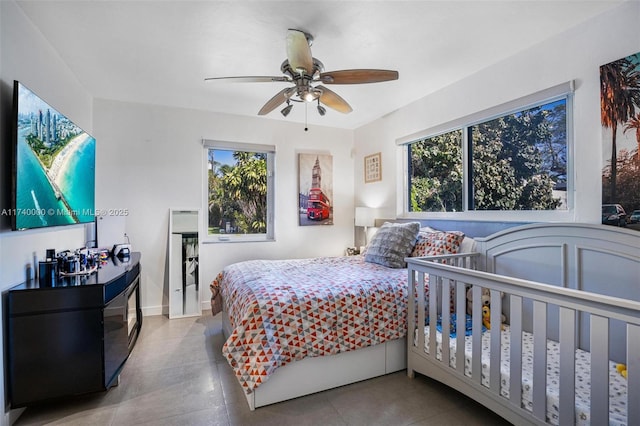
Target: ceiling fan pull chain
(306, 129)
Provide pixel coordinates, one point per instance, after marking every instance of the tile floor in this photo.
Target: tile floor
(177, 376)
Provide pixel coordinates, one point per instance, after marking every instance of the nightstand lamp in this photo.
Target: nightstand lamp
(365, 217)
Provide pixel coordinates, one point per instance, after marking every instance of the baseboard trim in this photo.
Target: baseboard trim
(148, 311)
(11, 416)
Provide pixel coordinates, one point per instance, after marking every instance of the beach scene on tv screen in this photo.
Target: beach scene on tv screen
(55, 167)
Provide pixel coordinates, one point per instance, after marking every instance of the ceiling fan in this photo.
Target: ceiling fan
(304, 72)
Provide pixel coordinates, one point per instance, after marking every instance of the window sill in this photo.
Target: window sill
(237, 239)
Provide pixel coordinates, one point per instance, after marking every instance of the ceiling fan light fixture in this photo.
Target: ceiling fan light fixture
(307, 96)
(286, 110)
(310, 94)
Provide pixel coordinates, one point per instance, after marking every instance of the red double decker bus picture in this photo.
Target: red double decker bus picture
(318, 206)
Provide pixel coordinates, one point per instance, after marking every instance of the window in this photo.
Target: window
(513, 161)
(239, 191)
(435, 176)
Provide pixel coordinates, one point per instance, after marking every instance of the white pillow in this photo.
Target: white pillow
(468, 245)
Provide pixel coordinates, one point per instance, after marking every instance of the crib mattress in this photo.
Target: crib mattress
(617, 383)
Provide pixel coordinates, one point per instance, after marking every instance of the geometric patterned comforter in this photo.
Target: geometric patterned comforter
(287, 310)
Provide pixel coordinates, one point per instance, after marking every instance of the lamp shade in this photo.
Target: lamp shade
(365, 216)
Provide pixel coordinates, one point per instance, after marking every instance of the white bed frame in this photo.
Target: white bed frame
(586, 278)
(316, 374)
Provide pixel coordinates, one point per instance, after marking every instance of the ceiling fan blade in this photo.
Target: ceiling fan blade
(250, 79)
(299, 52)
(333, 100)
(277, 100)
(358, 76)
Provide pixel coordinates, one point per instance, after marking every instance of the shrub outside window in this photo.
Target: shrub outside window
(435, 173)
(519, 161)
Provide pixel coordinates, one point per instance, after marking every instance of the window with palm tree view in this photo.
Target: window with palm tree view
(239, 186)
(516, 161)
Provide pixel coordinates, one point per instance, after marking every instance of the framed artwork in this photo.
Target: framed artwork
(620, 119)
(373, 167)
(315, 189)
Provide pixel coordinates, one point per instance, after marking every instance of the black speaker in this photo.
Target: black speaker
(48, 272)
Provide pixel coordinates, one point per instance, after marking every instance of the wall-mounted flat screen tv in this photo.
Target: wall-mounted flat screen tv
(53, 168)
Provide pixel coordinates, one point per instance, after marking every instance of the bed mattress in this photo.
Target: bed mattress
(617, 384)
(286, 310)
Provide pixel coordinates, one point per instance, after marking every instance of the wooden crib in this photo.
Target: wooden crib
(565, 290)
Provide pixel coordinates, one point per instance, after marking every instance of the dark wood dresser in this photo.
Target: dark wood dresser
(72, 337)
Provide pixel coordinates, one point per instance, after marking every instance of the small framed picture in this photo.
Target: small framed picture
(373, 167)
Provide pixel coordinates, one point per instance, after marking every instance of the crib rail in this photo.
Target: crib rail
(443, 275)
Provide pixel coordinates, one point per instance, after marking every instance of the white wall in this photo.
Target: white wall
(26, 56)
(574, 55)
(150, 159)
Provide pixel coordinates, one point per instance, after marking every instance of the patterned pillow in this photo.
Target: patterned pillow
(392, 243)
(437, 243)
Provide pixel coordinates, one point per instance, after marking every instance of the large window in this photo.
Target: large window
(512, 161)
(239, 191)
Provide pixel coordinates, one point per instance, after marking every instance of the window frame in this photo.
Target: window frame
(270, 151)
(555, 93)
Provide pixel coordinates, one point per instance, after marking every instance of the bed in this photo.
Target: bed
(281, 314)
(570, 297)
(299, 326)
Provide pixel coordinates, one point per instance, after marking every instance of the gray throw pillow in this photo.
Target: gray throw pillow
(392, 243)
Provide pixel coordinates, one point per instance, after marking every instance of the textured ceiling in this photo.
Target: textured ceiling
(160, 52)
